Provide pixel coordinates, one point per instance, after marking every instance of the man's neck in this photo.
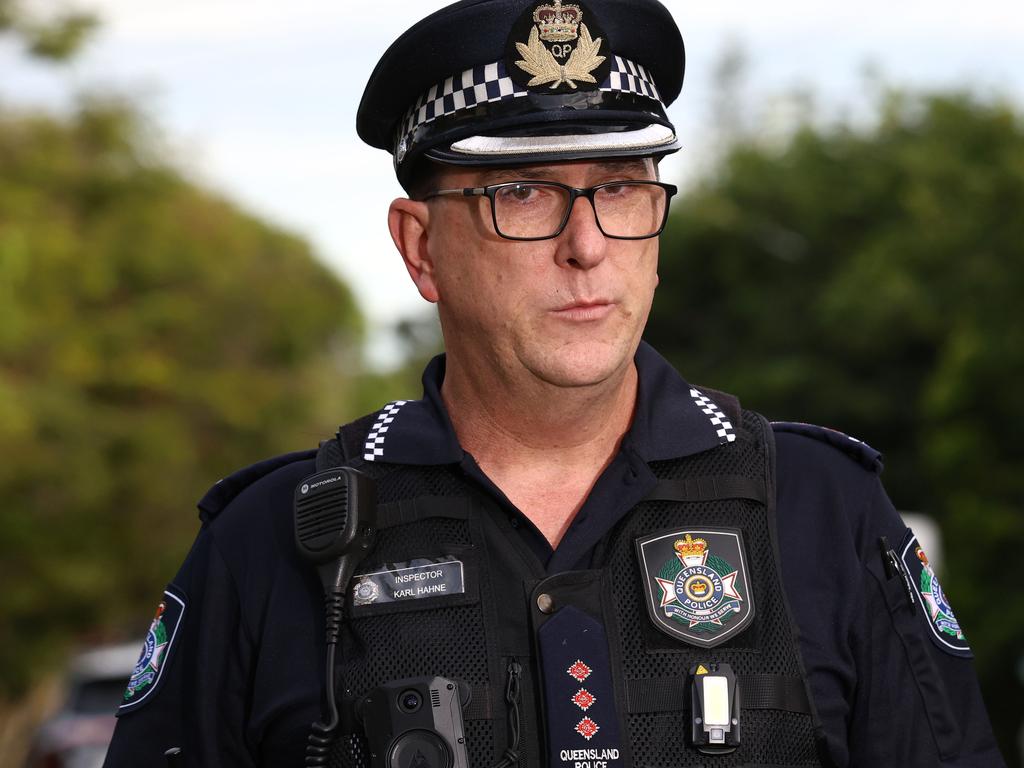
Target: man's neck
(544, 446)
(535, 417)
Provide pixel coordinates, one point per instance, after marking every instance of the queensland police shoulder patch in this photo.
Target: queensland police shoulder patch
(156, 649)
(696, 583)
(944, 628)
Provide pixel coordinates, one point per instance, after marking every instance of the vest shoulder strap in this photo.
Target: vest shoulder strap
(701, 487)
(346, 446)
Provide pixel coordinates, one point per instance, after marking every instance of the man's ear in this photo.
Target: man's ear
(407, 222)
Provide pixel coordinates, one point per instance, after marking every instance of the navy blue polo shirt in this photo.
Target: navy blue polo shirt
(242, 682)
(668, 424)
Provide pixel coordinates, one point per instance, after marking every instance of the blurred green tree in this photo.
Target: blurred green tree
(870, 278)
(56, 38)
(153, 337)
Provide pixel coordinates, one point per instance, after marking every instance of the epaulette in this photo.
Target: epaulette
(856, 449)
(222, 493)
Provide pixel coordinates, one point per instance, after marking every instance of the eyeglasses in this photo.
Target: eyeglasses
(539, 210)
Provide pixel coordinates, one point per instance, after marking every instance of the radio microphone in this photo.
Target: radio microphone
(335, 516)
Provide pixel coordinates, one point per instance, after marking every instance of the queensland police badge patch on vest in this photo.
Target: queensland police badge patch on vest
(155, 652)
(696, 584)
(945, 629)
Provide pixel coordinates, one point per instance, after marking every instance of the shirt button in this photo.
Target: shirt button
(514, 522)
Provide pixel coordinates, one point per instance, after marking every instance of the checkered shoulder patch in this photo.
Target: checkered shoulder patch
(723, 427)
(375, 439)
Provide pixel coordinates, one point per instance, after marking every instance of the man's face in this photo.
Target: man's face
(569, 310)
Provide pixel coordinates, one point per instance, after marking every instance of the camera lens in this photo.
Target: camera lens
(409, 701)
(423, 749)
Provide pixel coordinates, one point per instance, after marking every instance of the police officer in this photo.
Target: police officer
(566, 555)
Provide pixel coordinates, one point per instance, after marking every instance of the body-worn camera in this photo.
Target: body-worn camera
(415, 723)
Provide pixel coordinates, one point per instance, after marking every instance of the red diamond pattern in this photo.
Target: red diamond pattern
(584, 699)
(587, 728)
(579, 670)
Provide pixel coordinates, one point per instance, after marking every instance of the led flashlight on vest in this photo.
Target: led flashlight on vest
(715, 704)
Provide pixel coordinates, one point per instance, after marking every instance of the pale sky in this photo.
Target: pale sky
(258, 98)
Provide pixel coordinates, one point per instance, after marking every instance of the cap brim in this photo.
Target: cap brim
(653, 139)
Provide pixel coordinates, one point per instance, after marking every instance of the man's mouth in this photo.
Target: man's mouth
(585, 310)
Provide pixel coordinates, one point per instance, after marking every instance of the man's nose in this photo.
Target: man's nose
(581, 244)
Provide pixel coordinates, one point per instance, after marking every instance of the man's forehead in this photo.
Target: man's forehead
(626, 167)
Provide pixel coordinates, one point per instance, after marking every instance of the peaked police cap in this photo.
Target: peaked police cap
(501, 82)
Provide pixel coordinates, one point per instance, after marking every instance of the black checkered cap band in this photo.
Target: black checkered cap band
(490, 83)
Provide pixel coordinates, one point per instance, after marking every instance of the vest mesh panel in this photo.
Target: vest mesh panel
(411, 643)
(659, 740)
(451, 640)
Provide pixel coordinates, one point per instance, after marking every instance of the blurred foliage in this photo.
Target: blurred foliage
(153, 338)
(56, 38)
(870, 278)
(419, 339)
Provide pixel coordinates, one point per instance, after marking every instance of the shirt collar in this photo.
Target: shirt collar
(672, 419)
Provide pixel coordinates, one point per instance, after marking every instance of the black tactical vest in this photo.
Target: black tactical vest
(487, 634)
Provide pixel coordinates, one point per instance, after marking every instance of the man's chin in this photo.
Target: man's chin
(583, 363)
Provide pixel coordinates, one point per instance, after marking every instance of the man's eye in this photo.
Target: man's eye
(520, 193)
(620, 190)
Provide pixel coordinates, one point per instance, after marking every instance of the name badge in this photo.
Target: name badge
(411, 580)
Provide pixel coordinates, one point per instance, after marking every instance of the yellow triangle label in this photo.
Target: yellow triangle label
(702, 670)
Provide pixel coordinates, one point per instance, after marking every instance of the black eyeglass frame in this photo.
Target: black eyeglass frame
(574, 194)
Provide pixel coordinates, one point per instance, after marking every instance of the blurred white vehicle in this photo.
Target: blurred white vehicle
(78, 735)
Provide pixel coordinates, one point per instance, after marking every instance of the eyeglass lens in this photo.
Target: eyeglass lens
(537, 209)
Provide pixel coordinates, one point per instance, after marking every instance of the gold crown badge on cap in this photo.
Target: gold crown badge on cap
(560, 49)
(557, 23)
